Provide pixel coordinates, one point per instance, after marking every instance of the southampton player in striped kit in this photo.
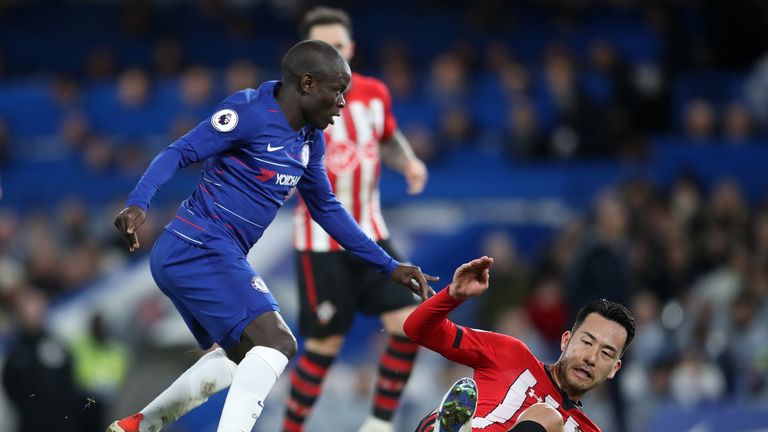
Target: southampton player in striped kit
(334, 284)
(256, 148)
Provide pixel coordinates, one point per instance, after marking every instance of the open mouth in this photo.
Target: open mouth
(582, 374)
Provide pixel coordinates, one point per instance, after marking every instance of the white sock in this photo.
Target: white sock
(211, 374)
(254, 378)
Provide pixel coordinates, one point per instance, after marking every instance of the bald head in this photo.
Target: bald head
(315, 58)
(315, 77)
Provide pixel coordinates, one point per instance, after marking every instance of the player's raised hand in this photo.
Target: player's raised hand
(471, 279)
(415, 173)
(412, 277)
(128, 222)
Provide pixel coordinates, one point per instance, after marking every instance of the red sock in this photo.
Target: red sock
(306, 384)
(394, 370)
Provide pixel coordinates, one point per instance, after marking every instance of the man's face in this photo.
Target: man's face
(335, 35)
(325, 96)
(590, 354)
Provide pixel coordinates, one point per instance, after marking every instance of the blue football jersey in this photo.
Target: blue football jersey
(252, 160)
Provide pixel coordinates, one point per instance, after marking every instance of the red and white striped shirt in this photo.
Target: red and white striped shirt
(353, 164)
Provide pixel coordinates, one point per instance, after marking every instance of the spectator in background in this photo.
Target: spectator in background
(572, 114)
(699, 121)
(43, 256)
(74, 131)
(66, 92)
(73, 221)
(737, 124)
(510, 276)
(600, 268)
(746, 333)
(98, 154)
(651, 340)
(516, 81)
(728, 209)
(398, 73)
(197, 91)
(10, 246)
(547, 309)
(448, 83)
(455, 128)
(525, 139)
(756, 90)
(241, 74)
(695, 380)
(37, 376)
(760, 238)
(133, 89)
(100, 65)
(167, 57)
(100, 366)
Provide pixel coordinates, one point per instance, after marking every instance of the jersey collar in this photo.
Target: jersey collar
(567, 403)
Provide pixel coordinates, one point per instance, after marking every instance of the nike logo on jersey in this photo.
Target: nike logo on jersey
(271, 149)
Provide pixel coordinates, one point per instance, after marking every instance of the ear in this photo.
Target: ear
(307, 83)
(352, 51)
(564, 340)
(615, 369)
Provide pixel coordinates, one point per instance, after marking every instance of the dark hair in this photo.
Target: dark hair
(323, 15)
(610, 310)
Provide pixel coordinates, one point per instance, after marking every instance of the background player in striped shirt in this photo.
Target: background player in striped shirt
(517, 392)
(333, 283)
(256, 148)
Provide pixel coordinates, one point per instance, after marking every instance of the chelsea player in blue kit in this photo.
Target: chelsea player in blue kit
(256, 148)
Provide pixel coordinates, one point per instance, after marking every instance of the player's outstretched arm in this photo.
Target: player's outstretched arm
(412, 277)
(128, 222)
(471, 279)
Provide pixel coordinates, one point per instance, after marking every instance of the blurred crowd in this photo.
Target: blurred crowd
(692, 263)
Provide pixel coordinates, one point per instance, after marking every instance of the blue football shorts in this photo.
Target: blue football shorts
(216, 291)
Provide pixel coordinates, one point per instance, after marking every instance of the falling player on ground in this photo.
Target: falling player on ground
(515, 390)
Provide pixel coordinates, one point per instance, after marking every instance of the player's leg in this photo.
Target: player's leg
(395, 366)
(264, 349)
(393, 304)
(210, 374)
(326, 313)
(539, 417)
(307, 379)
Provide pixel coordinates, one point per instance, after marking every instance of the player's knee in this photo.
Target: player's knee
(543, 414)
(287, 345)
(327, 346)
(393, 321)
